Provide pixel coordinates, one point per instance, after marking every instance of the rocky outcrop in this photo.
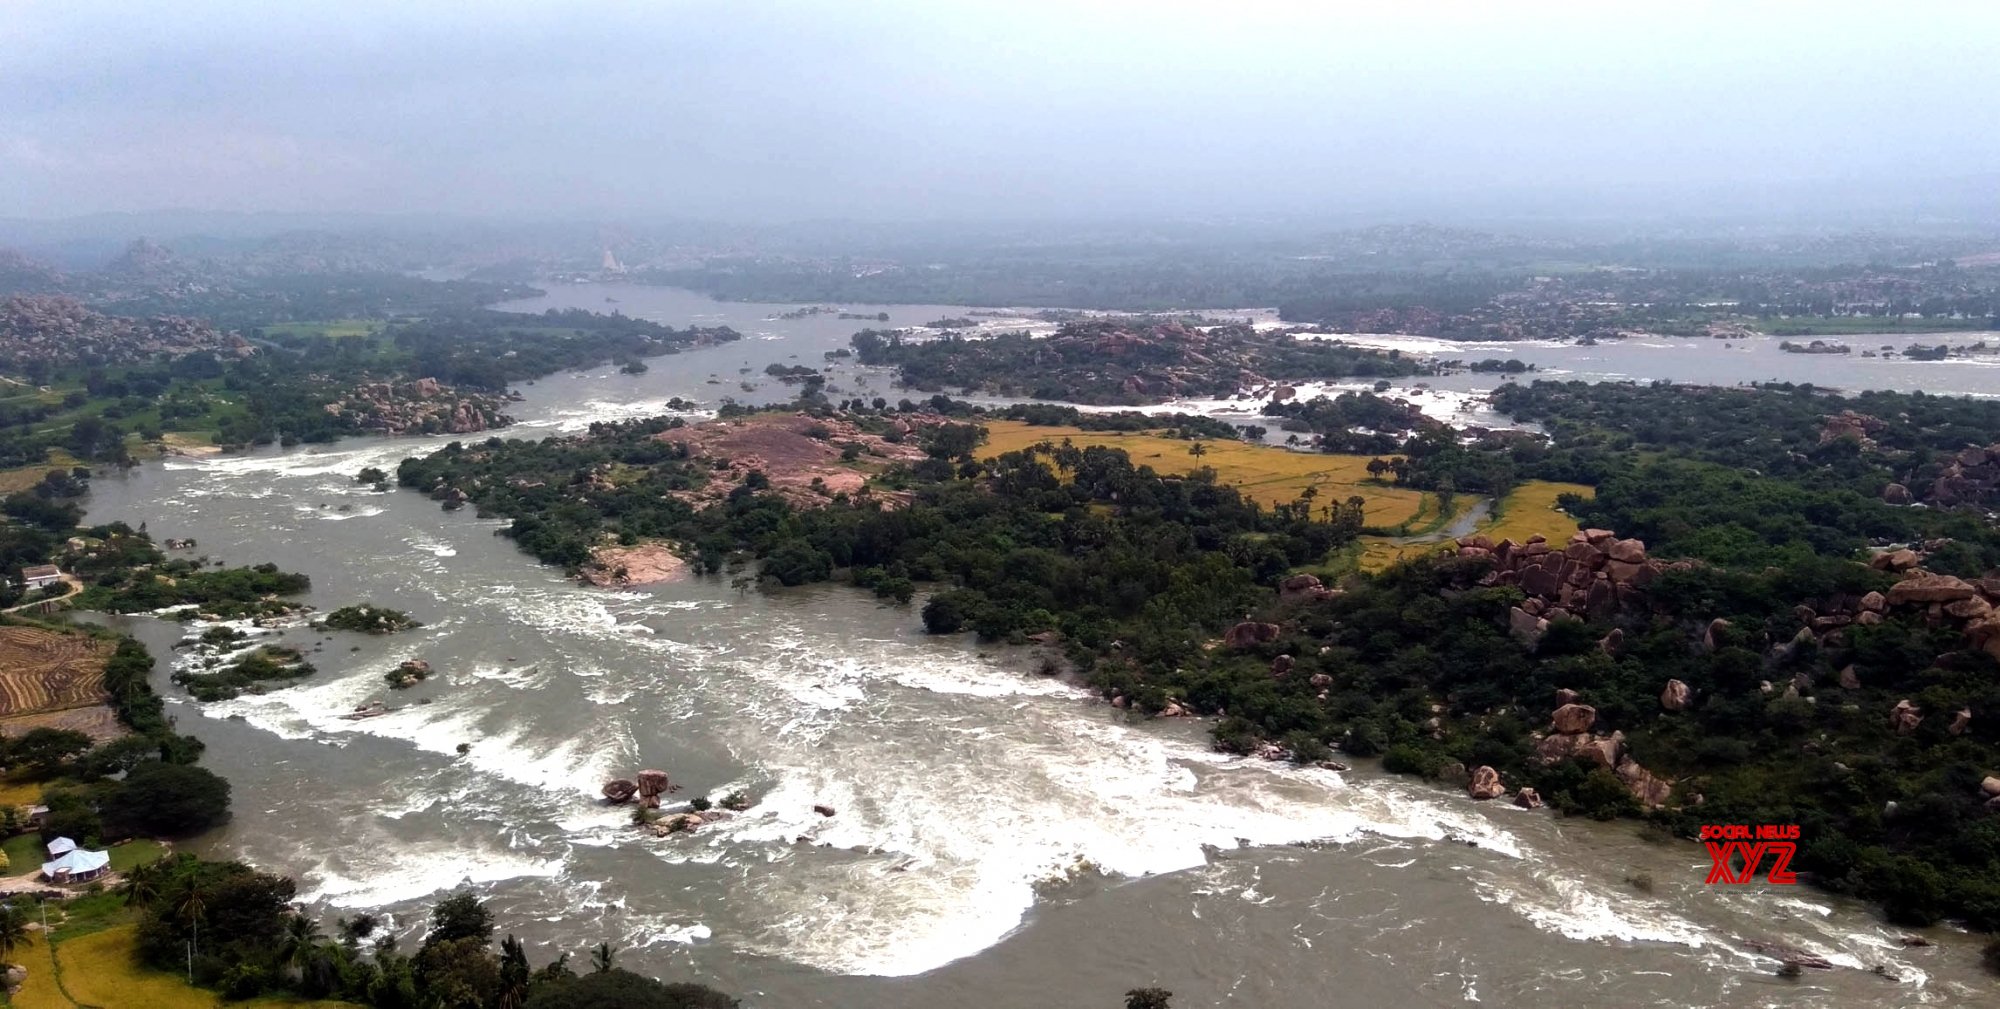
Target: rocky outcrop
(1594, 575)
(1676, 696)
(1857, 427)
(1711, 638)
(1526, 627)
(1303, 588)
(1849, 679)
(1897, 494)
(1573, 718)
(1250, 633)
(823, 809)
(1922, 589)
(1960, 722)
(409, 673)
(643, 564)
(1650, 789)
(58, 330)
(1972, 477)
(1604, 751)
(1905, 717)
(1612, 644)
(419, 407)
(1485, 783)
(653, 784)
(1528, 798)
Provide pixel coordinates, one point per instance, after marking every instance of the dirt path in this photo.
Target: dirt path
(75, 586)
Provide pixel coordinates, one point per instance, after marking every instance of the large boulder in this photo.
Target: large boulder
(654, 783)
(1874, 602)
(1528, 798)
(1972, 608)
(1629, 551)
(1485, 783)
(1960, 722)
(1573, 718)
(1604, 751)
(1526, 627)
(621, 790)
(1676, 696)
(1613, 643)
(1282, 666)
(1926, 589)
(1990, 786)
(1895, 560)
(1645, 786)
(1849, 680)
(1712, 637)
(1897, 494)
(1905, 717)
(1249, 633)
(1302, 587)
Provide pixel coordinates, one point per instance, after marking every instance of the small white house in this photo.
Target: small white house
(71, 864)
(40, 576)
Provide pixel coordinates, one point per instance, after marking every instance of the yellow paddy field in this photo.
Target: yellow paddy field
(98, 970)
(1528, 510)
(1268, 474)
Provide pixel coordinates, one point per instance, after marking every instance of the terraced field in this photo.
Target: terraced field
(1267, 473)
(44, 673)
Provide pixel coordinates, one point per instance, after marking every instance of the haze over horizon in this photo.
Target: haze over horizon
(909, 111)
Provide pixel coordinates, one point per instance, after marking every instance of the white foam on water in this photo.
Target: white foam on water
(1579, 910)
(946, 824)
(366, 876)
(1409, 344)
(577, 419)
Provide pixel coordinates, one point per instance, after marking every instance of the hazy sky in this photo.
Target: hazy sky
(949, 109)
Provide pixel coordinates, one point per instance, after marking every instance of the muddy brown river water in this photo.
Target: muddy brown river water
(1001, 839)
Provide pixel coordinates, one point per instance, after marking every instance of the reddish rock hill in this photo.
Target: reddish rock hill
(62, 330)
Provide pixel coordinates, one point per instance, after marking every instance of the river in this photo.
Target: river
(999, 840)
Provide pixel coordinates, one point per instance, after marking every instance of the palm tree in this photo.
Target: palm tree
(1197, 450)
(514, 974)
(14, 931)
(300, 940)
(601, 957)
(142, 884)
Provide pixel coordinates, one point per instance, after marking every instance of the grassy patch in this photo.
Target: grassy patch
(24, 853)
(17, 789)
(87, 914)
(334, 328)
(143, 851)
(1528, 510)
(1266, 473)
(40, 991)
(100, 969)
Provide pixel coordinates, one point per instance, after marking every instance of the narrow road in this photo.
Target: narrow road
(75, 586)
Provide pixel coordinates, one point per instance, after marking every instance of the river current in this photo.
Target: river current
(1000, 839)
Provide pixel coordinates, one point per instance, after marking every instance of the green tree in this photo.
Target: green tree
(170, 799)
(601, 957)
(622, 989)
(460, 916)
(47, 750)
(14, 930)
(1147, 998)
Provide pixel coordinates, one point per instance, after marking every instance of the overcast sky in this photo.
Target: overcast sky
(941, 109)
